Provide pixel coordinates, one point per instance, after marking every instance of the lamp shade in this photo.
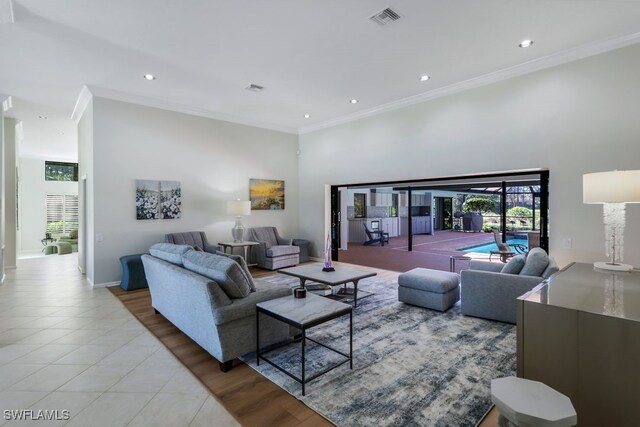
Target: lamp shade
(239, 207)
(611, 187)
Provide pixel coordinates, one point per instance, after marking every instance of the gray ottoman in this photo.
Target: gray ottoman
(434, 289)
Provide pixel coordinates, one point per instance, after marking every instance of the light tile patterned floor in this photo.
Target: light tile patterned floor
(66, 346)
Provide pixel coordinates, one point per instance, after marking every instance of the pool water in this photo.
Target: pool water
(488, 247)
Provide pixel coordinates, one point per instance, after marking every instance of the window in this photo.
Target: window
(62, 213)
(360, 205)
(59, 171)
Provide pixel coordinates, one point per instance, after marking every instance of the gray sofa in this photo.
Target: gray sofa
(220, 319)
(489, 290)
(192, 238)
(274, 251)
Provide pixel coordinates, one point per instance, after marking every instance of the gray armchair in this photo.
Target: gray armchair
(490, 294)
(274, 251)
(192, 238)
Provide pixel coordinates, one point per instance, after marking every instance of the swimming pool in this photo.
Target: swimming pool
(488, 247)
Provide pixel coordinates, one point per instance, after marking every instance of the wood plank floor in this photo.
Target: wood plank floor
(251, 398)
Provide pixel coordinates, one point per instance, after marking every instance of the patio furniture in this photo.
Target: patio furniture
(489, 290)
(434, 289)
(506, 250)
(375, 236)
(472, 221)
(274, 251)
(193, 239)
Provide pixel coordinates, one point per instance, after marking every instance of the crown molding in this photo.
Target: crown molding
(534, 65)
(84, 97)
(180, 108)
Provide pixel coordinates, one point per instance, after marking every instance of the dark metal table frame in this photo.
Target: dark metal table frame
(320, 320)
(344, 291)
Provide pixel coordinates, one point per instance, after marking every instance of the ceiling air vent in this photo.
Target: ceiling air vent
(384, 17)
(255, 88)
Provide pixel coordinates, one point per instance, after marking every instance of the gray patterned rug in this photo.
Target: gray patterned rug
(412, 366)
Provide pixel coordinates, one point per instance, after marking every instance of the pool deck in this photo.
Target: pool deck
(429, 251)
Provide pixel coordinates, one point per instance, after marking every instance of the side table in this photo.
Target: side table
(454, 258)
(245, 245)
(303, 314)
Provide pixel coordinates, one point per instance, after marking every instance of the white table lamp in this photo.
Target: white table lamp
(612, 190)
(238, 208)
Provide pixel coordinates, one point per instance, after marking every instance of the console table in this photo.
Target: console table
(579, 333)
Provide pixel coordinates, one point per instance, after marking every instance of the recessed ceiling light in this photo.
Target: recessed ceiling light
(424, 78)
(354, 101)
(306, 116)
(526, 43)
(43, 117)
(149, 77)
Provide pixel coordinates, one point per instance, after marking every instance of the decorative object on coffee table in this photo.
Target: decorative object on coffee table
(613, 190)
(327, 256)
(341, 276)
(238, 208)
(300, 292)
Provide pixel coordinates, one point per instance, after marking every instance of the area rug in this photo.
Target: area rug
(412, 366)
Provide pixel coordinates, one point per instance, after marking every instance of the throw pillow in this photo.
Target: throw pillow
(514, 266)
(223, 270)
(169, 252)
(243, 264)
(536, 263)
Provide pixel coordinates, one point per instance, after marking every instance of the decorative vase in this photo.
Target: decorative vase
(299, 292)
(238, 231)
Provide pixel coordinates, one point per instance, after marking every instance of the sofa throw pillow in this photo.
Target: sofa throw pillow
(536, 263)
(223, 270)
(514, 266)
(243, 264)
(169, 252)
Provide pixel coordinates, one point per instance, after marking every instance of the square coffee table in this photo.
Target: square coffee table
(303, 314)
(342, 276)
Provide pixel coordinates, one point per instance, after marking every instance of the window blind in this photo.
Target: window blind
(62, 213)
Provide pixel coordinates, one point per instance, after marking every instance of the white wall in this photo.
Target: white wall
(212, 159)
(10, 144)
(33, 189)
(575, 118)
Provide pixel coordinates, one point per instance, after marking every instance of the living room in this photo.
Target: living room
(566, 104)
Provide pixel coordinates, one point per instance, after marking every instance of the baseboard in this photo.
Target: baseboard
(313, 258)
(104, 285)
(10, 267)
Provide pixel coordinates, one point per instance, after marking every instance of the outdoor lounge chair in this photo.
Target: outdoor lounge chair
(376, 236)
(505, 250)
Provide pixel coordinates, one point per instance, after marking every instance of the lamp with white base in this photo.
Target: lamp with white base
(612, 190)
(238, 208)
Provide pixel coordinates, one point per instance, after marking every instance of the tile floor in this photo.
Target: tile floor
(66, 346)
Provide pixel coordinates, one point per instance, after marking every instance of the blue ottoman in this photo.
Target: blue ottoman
(133, 276)
(434, 289)
(304, 249)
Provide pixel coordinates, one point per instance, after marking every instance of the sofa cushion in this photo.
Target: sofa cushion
(169, 252)
(243, 264)
(551, 269)
(225, 271)
(281, 250)
(536, 263)
(514, 266)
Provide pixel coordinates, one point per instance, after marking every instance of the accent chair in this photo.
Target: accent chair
(193, 239)
(274, 251)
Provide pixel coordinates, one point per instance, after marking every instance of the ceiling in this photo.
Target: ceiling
(312, 57)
